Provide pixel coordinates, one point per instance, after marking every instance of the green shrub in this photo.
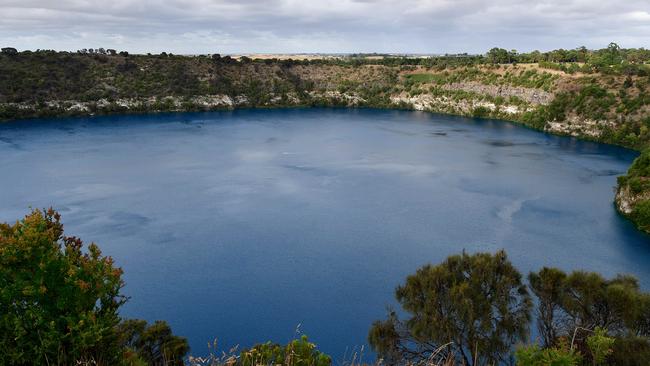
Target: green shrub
(533, 355)
(638, 184)
(299, 352)
(481, 112)
(630, 351)
(641, 214)
(600, 346)
(59, 303)
(641, 165)
(152, 344)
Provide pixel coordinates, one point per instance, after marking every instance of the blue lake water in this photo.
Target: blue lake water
(242, 225)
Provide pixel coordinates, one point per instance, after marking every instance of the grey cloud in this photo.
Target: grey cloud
(229, 26)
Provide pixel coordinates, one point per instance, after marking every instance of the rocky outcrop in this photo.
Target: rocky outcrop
(445, 104)
(349, 99)
(579, 127)
(625, 200)
(150, 103)
(176, 103)
(530, 95)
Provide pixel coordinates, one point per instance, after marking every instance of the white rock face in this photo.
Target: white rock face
(428, 102)
(624, 203)
(78, 107)
(351, 99)
(575, 126)
(530, 95)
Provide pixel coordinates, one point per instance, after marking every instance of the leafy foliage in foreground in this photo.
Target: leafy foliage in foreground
(298, 352)
(59, 307)
(534, 355)
(59, 304)
(593, 312)
(474, 309)
(476, 303)
(154, 344)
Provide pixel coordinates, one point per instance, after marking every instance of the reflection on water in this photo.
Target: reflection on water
(241, 225)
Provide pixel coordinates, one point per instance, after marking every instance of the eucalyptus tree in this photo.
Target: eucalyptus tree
(472, 308)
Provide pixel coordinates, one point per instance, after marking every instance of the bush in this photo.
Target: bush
(630, 351)
(299, 352)
(533, 355)
(641, 214)
(600, 346)
(59, 304)
(481, 112)
(154, 344)
(638, 185)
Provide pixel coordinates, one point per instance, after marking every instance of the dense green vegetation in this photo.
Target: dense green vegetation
(474, 305)
(59, 303)
(635, 188)
(597, 94)
(474, 309)
(299, 352)
(530, 78)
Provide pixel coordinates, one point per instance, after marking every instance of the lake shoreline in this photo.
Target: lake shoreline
(620, 201)
(239, 202)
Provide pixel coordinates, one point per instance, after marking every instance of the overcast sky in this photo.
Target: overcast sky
(293, 26)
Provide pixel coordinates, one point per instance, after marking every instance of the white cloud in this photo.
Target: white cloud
(232, 26)
(640, 16)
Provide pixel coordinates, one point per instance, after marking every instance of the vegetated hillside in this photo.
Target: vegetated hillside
(633, 193)
(600, 95)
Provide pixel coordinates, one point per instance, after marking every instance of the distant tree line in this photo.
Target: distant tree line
(613, 54)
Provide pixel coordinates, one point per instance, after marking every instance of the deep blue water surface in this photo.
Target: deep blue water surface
(242, 225)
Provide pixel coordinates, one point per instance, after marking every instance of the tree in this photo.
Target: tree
(59, 303)
(607, 57)
(578, 305)
(591, 301)
(476, 304)
(155, 344)
(513, 56)
(548, 286)
(498, 56)
(613, 51)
